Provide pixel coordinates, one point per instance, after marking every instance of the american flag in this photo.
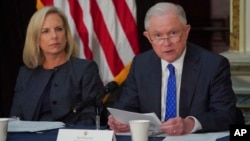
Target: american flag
(105, 31)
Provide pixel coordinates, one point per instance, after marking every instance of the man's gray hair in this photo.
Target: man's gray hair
(164, 8)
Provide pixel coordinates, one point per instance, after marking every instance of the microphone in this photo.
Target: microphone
(120, 78)
(95, 97)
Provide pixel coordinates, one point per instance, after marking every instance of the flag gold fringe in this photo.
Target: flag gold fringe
(120, 78)
(39, 4)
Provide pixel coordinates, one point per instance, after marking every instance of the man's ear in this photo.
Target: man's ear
(146, 34)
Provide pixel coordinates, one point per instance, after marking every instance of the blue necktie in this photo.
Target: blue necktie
(171, 94)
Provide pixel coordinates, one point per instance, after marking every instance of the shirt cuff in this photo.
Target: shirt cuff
(197, 124)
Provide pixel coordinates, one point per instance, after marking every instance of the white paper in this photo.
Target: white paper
(198, 137)
(32, 126)
(126, 116)
(85, 135)
(150, 134)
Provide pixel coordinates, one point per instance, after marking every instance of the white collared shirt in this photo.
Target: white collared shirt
(178, 64)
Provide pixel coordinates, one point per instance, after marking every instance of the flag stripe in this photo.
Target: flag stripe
(113, 59)
(77, 14)
(127, 21)
(116, 31)
(47, 2)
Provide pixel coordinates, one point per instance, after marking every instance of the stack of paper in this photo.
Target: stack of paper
(126, 116)
(33, 126)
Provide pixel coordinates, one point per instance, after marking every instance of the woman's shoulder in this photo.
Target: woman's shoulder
(24, 72)
(25, 69)
(80, 62)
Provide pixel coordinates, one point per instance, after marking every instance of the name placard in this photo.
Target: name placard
(85, 135)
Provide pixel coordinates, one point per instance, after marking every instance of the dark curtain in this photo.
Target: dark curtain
(15, 15)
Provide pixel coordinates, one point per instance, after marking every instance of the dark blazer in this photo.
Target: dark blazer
(206, 88)
(72, 83)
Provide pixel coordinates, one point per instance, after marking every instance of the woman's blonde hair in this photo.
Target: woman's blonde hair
(32, 54)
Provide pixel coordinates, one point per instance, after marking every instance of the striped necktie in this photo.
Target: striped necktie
(171, 94)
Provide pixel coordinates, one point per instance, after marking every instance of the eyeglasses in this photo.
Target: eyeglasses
(173, 37)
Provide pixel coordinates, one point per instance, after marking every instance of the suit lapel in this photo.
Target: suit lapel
(154, 76)
(190, 74)
(38, 82)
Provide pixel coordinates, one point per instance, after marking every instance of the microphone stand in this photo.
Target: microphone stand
(95, 99)
(97, 118)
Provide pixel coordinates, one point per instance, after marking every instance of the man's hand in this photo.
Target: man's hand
(178, 126)
(116, 125)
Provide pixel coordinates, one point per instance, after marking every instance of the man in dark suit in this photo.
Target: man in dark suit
(204, 97)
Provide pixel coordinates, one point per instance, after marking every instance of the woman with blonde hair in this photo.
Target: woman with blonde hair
(53, 79)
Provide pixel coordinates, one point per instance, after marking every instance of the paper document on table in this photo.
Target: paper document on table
(126, 116)
(33, 126)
